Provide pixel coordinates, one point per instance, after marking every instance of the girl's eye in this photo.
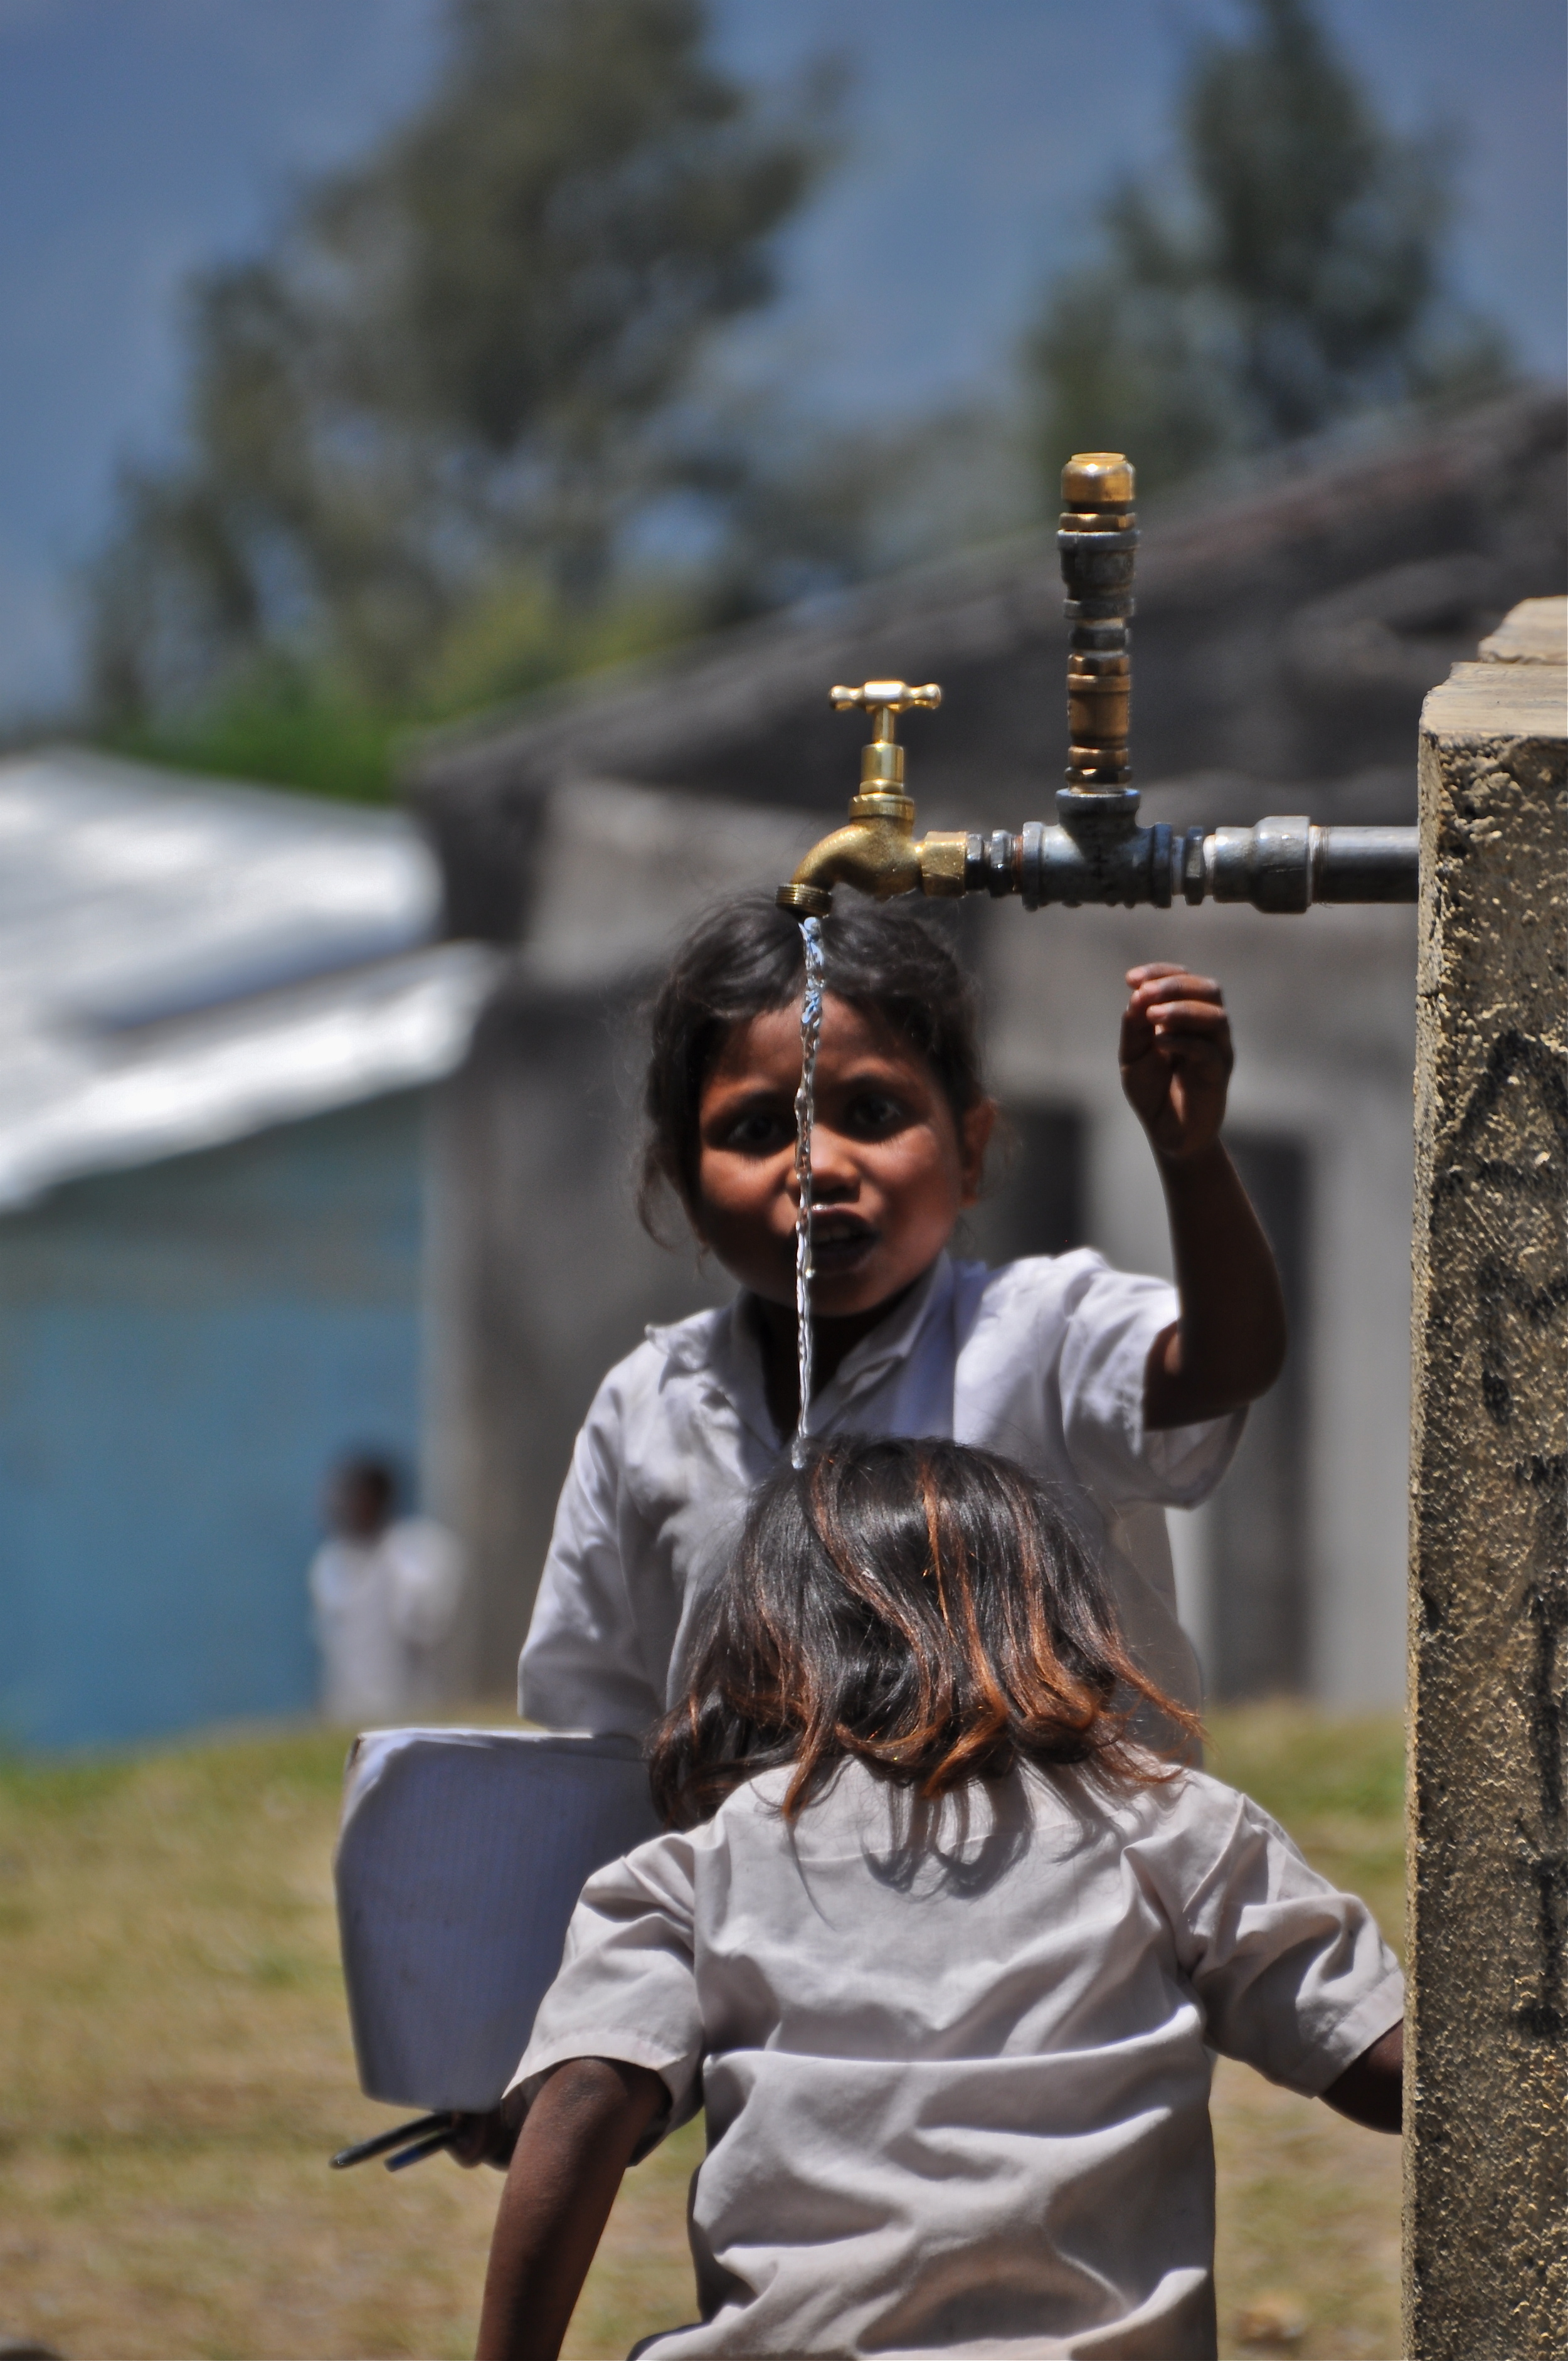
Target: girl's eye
(874, 1115)
(757, 1133)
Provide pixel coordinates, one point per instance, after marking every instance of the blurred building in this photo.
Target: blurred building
(1287, 632)
(223, 1011)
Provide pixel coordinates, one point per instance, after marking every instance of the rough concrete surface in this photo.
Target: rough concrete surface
(1487, 2152)
(1535, 631)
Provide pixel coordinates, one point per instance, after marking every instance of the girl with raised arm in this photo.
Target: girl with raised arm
(1123, 1392)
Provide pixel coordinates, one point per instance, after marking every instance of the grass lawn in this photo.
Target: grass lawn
(175, 2070)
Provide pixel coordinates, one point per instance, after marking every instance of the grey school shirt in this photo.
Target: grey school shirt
(1042, 1360)
(955, 2059)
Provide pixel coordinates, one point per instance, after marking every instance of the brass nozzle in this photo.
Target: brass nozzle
(1097, 479)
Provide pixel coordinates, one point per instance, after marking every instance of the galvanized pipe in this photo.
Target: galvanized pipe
(1281, 865)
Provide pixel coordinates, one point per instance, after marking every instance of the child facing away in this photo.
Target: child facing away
(1123, 1393)
(942, 1952)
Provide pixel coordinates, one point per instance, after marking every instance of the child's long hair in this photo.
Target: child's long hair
(920, 1607)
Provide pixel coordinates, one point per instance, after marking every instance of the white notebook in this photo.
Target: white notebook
(460, 1859)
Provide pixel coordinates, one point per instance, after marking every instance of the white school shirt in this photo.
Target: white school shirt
(955, 2058)
(1042, 1360)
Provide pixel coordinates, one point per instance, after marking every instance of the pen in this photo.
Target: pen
(418, 2138)
(421, 2148)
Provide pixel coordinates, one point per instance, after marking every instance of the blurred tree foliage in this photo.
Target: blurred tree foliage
(1289, 275)
(428, 430)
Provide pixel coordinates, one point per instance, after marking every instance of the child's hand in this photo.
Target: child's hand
(489, 2138)
(1176, 1057)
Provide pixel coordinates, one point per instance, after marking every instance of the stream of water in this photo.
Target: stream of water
(805, 1115)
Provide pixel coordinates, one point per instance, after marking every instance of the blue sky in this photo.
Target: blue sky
(141, 138)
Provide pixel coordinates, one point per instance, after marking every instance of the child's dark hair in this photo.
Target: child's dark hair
(920, 1607)
(744, 959)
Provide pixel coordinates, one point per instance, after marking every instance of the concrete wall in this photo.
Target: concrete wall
(1486, 2150)
(183, 1351)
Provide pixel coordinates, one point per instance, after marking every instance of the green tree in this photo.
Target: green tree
(466, 371)
(1287, 274)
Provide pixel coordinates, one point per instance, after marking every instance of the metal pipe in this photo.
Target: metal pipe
(1096, 851)
(1281, 865)
(1364, 864)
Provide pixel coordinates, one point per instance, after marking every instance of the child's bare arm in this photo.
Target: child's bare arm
(1228, 1345)
(1371, 2088)
(575, 2144)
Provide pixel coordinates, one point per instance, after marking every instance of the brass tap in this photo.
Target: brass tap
(877, 852)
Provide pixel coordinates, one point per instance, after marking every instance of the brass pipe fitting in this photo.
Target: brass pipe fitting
(1098, 542)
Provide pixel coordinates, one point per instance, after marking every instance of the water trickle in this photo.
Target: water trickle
(805, 1115)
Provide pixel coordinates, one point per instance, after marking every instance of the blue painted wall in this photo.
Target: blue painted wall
(183, 1350)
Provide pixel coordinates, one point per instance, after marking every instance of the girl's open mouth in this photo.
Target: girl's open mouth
(839, 1241)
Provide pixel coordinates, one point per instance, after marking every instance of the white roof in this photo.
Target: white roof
(184, 961)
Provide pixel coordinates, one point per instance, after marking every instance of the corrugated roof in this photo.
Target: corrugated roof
(184, 962)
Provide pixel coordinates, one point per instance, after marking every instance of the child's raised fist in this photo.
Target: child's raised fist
(1176, 1057)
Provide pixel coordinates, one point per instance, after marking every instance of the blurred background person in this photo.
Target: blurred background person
(385, 1592)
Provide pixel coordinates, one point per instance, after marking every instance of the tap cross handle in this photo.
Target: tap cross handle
(886, 699)
(881, 763)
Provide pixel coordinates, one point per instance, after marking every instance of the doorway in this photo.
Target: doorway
(1258, 1621)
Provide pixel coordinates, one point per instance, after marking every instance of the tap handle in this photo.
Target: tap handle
(881, 763)
(885, 699)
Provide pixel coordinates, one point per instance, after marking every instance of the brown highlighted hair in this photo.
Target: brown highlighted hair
(919, 1607)
(744, 959)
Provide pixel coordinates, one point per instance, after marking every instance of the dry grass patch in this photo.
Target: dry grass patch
(175, 2070)
(1308, 2257)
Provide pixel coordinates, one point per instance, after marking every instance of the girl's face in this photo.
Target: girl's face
(891, 1166)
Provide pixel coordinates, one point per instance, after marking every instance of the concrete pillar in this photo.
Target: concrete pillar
(1486, 2147)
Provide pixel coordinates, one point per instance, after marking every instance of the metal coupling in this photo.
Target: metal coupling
(1287, 863)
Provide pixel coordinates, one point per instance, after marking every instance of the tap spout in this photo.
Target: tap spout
(876, 853)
